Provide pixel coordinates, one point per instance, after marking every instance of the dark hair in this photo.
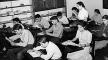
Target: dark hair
(74, 8)
(17, 20)
(97, 11)
(59, 13)
(105, 17)
(44, 39)
(17, 27)
(37, 16)
(82, 23)
(80, 3)
(54, 18)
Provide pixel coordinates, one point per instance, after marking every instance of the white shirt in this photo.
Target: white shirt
(26, 38)
(53, 51)
(36, 24)
(84, 37)
(64, 20)
(83, 14)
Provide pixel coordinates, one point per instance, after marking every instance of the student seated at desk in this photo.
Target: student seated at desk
(17, 21)
(102, 30)
(74, 14)
(85, 38)
(83, 13)
(101, 47)
(104, 26)
(53, 52)
(56, 30)
(62, 18)
(25, 43)
(40, 22)
(97, 17)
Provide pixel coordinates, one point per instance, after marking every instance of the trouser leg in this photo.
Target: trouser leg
(20, 55)
(11, 53)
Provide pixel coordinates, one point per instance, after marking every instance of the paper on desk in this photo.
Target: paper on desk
(68, 43)
(34, 54)
(41, 33)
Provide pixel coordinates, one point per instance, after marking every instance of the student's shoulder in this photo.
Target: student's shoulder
(25, 30)
(88, 32)
(59, 24)
(52, 44)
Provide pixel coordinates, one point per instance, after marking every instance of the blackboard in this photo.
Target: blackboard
(6, 0)
(41, 5)
(105, 4)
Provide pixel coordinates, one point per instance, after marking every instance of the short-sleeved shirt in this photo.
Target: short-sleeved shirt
(53, 52)
(83, 14)
(84, 37)
(57, 31)
(64, 20)
(26, 38)
(97, 18)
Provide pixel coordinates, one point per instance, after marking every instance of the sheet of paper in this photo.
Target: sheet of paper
(34, 54)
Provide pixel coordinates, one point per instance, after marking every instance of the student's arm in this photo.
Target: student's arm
(15, 37)
(86, 15)
(24, 40)
(38, 48)
(66, 20)
(76, 37)
(105, 32)
(88, 40)
(11, 42)
(50, 29)
(12, 38)
(48, 55)
(57, 33)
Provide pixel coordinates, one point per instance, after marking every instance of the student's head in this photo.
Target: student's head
(44, 41)
(81, 26)
(97, 11)
(75, 9)
(16, 20)
(37, 17)
(17, 28)
(59, 15)
(105, 19)
(80, 5)
(54, 20)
